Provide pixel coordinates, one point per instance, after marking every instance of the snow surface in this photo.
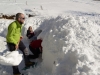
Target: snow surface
(70, 33)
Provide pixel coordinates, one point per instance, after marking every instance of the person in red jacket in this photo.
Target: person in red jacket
(36, 48)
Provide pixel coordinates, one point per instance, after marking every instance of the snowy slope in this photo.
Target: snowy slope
(71, 34)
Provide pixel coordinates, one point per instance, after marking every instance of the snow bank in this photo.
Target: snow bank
(70, 46)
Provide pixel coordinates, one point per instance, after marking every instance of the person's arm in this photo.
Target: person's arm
(18, 42)
(40, 49)
(28, 33)
(17, 45)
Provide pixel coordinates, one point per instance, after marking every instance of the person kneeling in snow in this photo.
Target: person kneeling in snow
(36, 48)
(35, 45)
(14, 42)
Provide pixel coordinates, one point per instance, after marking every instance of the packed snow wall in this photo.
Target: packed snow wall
(71, 46)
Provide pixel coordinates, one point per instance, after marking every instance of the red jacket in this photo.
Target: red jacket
(36, 44)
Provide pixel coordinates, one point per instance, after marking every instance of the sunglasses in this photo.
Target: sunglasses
(23, 18)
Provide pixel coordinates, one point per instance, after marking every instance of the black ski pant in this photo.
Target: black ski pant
(22, 47)
(35, 51)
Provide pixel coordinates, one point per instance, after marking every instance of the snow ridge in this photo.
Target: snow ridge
(70, 46)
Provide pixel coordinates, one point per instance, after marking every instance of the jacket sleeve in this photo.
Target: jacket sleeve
(11, 32)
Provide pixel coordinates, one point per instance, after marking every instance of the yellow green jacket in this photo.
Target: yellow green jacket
(14, 32)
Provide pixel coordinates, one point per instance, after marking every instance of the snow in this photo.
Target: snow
(70, 33)
(11, 58)
(70, 46)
